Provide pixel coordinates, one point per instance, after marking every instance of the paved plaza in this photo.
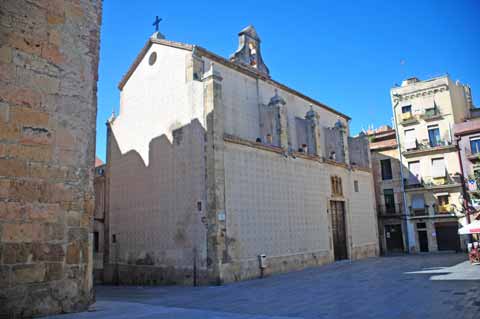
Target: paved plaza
(437, 286)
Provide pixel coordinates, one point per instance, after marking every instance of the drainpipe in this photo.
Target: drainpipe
(462, 176)
(409, 234)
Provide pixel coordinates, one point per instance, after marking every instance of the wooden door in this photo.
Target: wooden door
(423, 240)
(337, 213)
(394, 238)
(447, 236)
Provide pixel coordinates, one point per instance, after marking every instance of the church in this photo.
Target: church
(217, 173)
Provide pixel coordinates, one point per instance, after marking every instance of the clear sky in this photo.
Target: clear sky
(346, 54)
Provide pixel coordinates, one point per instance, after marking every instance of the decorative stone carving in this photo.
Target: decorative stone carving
(248, 52)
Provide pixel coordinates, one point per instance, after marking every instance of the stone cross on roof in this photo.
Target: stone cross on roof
(156, 23)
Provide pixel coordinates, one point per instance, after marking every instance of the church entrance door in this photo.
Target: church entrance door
(337, 213)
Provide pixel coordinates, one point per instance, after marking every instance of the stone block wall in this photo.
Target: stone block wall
(48, 74)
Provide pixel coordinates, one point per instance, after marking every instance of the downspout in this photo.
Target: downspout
(462, 176)
(402, 180)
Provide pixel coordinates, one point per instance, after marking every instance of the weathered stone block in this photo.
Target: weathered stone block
(30, 152)
(22, 232)
(54, 232)
(43, 213)
(5, 279)
(5, 54)
(28, 117)
(73, 253)
(54, 271)
(36, 135)
(11, 211)
(13, 167)
(26, 274)
(17, 253)
(47, 252)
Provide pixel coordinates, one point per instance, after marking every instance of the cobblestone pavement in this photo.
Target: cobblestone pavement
(438, 286)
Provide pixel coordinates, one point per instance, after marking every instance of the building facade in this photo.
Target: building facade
(48, 82)
(468, 138)
(425, 113)
(99, 215)
(388, 190)
(218, 173)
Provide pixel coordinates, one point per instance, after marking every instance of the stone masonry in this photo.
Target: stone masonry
(48, 81)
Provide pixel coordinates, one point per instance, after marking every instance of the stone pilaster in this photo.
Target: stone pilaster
(314, 131)
(217, 253)
(279, 104)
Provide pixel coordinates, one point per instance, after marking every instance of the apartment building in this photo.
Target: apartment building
(388, 190)
(467, 135)
(425, 113)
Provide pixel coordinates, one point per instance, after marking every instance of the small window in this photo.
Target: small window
(152, 58)
(475, 145)
(114, 238)
(336, 185)
(386, 167)
(96, 242)
(389, 198)
(443, 200)
(355, 186)
(421, 225)
(199, 206)
(434, 136)
(407, 109)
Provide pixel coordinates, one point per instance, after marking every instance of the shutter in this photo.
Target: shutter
(410, 139)
(414, 177)
(438, 168)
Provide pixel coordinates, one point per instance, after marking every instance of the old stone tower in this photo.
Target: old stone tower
(48, 80)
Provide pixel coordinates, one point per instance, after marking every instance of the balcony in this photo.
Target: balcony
(433, 183)
(419, 212)
(387, 211)
(425, 147)
(472, 157)
(444, 209)
(431, 114)
(408, 118)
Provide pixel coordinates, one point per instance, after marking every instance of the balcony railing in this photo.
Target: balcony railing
(472, 157)
(390, 210)
(431, 114)
(449, 180)
(407, 118)
(419, 212)
(446, 209)
(425, 146)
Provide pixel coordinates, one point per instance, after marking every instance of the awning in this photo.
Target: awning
(472, 228)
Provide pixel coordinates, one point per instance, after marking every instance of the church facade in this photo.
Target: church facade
(218, 173)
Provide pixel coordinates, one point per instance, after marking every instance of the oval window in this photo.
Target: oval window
(152, 58)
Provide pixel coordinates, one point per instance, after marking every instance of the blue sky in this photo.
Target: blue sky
(346, 54)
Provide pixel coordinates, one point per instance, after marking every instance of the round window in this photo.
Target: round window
(152, 58)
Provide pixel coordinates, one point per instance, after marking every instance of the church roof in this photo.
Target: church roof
(199, 51)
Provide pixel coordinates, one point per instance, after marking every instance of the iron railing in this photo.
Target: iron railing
(390, 210)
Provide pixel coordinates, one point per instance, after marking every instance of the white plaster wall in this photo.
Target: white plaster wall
(363, 220)
(278, 206)
(156, 100)
(155, 181)
(241, 96)
(275, 205)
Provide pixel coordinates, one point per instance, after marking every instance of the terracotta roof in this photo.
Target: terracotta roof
(98, 162)
(244, 69)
